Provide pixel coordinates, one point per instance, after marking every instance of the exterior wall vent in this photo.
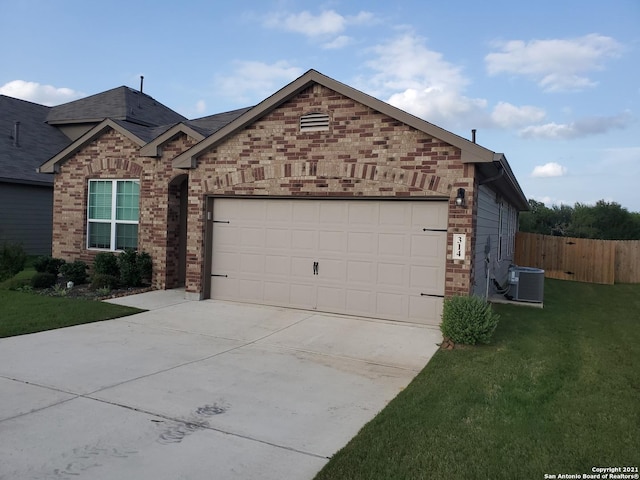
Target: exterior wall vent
(314, 122)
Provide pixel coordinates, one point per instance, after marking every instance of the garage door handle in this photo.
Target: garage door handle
(315, 268)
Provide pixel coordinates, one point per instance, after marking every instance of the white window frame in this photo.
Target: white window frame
(112, 221)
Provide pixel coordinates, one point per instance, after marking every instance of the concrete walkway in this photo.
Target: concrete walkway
(198, 390)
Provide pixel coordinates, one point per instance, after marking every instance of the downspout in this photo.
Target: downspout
(495, 177)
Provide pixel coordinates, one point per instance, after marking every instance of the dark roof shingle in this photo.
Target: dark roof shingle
(122, 103)
(37, 141)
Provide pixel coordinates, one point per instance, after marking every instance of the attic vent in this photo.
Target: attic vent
(314, 122)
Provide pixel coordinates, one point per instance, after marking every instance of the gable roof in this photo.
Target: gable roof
(18, 163)
(471, 152)
(490, 163)
(197, 129)
(125, 128)
(121, 103)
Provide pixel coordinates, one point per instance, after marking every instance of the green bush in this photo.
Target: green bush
(16, 283)
(75, 271)
(129, 271)
(468, 320)
(12, 260)
(145, 267)
(43, 280)
(104, 281)
(46, 263)
(107, 264)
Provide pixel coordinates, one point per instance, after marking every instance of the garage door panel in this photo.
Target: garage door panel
(331, 270)
(434, 217)
(277, 293)
(392, 274)
(332, 242)
(277, 265)
(427, 246)
(360, 302)
(425, 307)
(278, 239)
(251, 263)
(393, 306)
(302, 295)
(394, 214)
(305, 240)
(361, 272)
(332, 299)
(374, 257)
(362, 243)
(393, 244)
(363, 213)
(425, 279)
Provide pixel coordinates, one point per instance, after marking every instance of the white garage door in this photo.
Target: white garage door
(383, 259)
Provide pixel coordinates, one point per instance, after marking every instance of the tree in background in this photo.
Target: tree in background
(604, 220)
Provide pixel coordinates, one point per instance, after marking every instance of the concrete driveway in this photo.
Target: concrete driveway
(198, 390)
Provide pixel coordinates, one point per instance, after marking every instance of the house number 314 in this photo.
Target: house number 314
(459, 245)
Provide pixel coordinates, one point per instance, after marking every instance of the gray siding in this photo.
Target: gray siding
(490, 257)
(26, 216)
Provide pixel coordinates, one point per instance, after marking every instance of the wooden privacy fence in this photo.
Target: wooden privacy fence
(580, 259)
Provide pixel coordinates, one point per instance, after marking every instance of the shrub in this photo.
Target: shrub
(101, 281)
(129, 271)
(468, 320)
(107, 264)
(75, 271)
(46, 263)
(16, 283)
(12, 260)
(145, 267)
(43, 280)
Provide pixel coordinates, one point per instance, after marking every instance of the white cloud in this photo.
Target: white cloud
(580, 128)
(551, 169)
(557, 64)
(254, 81)
(420, 81)
(338, 42)
(38, 93)
(326, 23)
(506, 115)
(201, 106)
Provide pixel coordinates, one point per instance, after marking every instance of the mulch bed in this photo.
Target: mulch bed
(85, 292)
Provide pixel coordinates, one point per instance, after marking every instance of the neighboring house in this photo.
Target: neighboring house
(34, 133)
(26, 197)
(320, 197)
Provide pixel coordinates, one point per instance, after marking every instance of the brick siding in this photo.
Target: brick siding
(363, 154)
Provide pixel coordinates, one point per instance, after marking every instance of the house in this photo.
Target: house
(26, 197)
(320, 197)
(34, 133)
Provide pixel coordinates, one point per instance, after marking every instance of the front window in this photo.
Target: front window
(112, 215)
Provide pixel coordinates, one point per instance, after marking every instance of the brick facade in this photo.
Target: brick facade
(363, 154)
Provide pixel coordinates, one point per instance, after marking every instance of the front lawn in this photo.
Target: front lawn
(556, 392)
(22, 313)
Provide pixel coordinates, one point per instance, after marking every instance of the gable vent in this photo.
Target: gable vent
(314, 122)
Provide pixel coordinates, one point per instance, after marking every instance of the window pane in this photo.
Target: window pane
(127, 201)
(126, 236)
(100, 200)
(99, 235)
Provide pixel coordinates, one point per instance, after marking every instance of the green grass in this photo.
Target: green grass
(22, 313)
(556, 391)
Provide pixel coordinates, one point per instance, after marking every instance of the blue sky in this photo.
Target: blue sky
(555, 85)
